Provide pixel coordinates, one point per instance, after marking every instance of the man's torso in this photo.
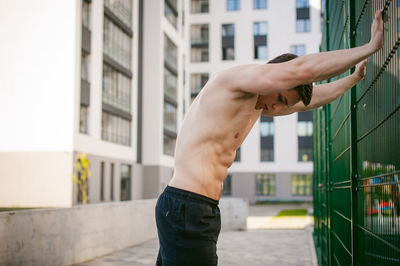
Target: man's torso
(216, 124)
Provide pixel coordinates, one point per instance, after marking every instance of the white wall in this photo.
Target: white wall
(36, 179)
(37, 73)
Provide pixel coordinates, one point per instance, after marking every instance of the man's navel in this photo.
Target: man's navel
(236, 135)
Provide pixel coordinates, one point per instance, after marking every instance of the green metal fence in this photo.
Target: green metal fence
(357, 145)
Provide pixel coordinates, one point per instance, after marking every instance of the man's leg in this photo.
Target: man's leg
(159, 259)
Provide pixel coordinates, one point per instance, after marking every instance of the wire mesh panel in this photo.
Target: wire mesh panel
(378, 134)
(357, 145)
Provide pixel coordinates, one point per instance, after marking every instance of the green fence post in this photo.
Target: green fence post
(327, 148)
(353, 149)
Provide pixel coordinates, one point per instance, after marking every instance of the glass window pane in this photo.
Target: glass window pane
(301, 128)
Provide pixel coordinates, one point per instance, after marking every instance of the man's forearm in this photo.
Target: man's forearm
(328, 92)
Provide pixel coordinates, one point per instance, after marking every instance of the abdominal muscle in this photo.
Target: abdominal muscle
(203, 172)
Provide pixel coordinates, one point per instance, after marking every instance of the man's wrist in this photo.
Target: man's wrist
(355, 77)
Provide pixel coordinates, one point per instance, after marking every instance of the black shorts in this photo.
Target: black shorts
(188, 226)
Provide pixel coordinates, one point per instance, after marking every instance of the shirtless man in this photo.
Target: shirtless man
(219, 119)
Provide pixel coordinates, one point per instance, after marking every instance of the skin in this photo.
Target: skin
(231, 102)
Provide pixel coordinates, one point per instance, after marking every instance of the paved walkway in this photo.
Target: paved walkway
(256, 246)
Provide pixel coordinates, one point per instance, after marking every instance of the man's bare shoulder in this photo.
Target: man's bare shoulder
(223, 89)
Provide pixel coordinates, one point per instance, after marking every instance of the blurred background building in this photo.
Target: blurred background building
(113, 79)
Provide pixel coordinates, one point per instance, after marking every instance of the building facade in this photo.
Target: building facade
(275, 160)
(97, 82)
(104, 85)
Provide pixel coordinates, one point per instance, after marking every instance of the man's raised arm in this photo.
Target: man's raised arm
(272, 78)
(325, 93)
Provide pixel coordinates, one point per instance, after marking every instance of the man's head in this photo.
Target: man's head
(305, 90)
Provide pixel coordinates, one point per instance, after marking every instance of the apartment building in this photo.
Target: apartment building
(95, 84)
(275, 161)
(100, 88)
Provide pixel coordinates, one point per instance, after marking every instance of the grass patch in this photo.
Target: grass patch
(291, 213)
(14, 209)
(271, 202)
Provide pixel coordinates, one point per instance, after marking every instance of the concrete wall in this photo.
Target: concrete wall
(80, 233)
(234, 212)
(66, 236)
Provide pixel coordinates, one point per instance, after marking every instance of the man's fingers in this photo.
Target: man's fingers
(378, 13)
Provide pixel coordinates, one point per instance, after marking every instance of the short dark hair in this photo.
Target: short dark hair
(304, 90)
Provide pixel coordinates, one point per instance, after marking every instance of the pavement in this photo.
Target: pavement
(261, 244)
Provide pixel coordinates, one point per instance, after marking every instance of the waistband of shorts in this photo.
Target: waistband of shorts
(188, 195)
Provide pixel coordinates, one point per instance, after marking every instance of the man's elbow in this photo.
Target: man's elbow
(306, 74)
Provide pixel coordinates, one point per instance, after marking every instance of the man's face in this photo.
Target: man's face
(276, 101)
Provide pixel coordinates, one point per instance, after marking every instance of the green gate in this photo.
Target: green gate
(357, 145)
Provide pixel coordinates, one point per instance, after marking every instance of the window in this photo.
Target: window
(227, 188)
(170, 83)
(398, 25)
(169, 144)
(199, 6)
(116, 89)
(228, 42)
(122, 9)
(85, 66)
(170, 113)
(298, 50)
(117, 54)
(260, 4)
(117, 44)
(265, 184)
(237, 155)
(260, 31)
(232, 5)
(102, 181)
(303, 23)
(84, 119)
(115, 129)
(86, 14)
(171, 12)
(170, 96)
(197, 82)
(301, 185)
(302, 3)
(125, 182)
(170, 54)
(266, 139)
(112, 182)
(305, 133)
(199, 42)
(305, 128)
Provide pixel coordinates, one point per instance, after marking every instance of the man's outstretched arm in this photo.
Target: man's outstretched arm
(272, 78)
(325, 93)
